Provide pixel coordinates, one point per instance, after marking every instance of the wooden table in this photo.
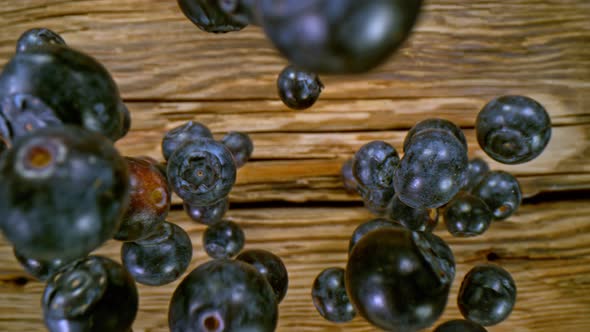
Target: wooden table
(289, 199)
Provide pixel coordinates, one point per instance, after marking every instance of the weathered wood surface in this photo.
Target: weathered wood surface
(462, 54)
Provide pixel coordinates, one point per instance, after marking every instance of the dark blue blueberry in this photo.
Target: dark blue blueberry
(240, 145)
(38, 37)
(271, 267)
(39, 269)
(298, 89)
(330, 298)
(476, 170)
(201, 172)
(149, 200)
(435, 123)
(78, 89)
(432, 169)
(187, 132)
(159, 259)
(223, 295)
(460, 325)
(377, 201)
(467, 215)
(414, 219)
(208, 16)
(374, 164)
(487, 295)
(25, 113)
(210, 214)
(347, 36)
(242, 11)
(348, 180)
(501, 193)
(513, 129)
(63, 193)
(367, 227)
(399, 280)
(223, 240)
(94, 294)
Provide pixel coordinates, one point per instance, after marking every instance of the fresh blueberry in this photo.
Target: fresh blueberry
(240, 145)
(42, 270)
(467, 215)
(159, 259)
(63, 193)
(476, 171)
(460, 325)
(432, 169)
(38, 37)
(94, 294)
(347, 36)
(501, 193)
(223, 240)
(367, 227)
(210, 214)
(149, 200)
(330, 298)
(271, 267)
(187, 132)
(348, 180)
(242, 11)
(377, 201)
(399, 280)
(487, 295)
(208, 16)
(201, 172)
(435, 123)
(298, 89)
(223, 295)
(374, 164)
(513, 129)
(25, 113)
(414, 219)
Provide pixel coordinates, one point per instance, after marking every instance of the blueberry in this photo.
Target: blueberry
(187, 132)
(208, 16)
(487, 295)
(94, 294)
(432, 169)
(513, 129)
(223, 295)
(223, 240)
(38, 37)
(25, 113)
(63, 193)
(435, 123)
(460, 325)
(467, 215)
(377, 201)
(501, 193)
(201, 172)
(41, 270)
(338, 37)
(78, 89)
(271, 267)
(374, 164)
(348, 180)
(415, 219)
(210, 214)
(240, 145)
(298, 89)
(476, 170)
(242, 11)
(367, 227)
(399, 280)
(159, 259)
(149, 200)
(330, 298)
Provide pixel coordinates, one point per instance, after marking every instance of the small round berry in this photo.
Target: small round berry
(330, 298)
(159, 259)
(298, 89)
(487, 295)
(467, 215)
(271, 267)
(41, 270)
(187, 132)
(460, 325)
(513, 129)
(210, 214)
(374, 164)
(439, 124)
(348, 180)
(208, 16)
(476, 171)
(377, 201)
(240, 145)
(223, 240)
(501, 193)
(38, 37)
(367, 227)
(414, 219)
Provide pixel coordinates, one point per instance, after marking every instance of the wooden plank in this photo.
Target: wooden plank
(546, 247)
